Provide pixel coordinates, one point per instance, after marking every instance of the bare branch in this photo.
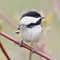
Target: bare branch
(6, 19)
(26, 46)
(4, 51)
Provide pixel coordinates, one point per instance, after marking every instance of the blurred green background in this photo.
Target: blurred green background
(10, 8)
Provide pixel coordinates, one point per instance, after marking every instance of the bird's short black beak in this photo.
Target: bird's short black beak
(42, 17)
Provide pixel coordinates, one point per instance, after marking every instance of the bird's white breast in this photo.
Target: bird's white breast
(31, 34)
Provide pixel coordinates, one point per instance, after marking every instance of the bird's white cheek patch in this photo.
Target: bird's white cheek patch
(27, 20)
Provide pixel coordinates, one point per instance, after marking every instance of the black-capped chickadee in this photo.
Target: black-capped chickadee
(30, 26)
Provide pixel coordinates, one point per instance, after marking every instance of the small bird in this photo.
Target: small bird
(30, 26)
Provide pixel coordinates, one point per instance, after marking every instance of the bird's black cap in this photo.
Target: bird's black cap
(32, 14)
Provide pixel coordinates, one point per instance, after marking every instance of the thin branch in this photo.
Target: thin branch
(26, 46)
(4, 51)
(56, 7)
(8, 20)
(30, 55)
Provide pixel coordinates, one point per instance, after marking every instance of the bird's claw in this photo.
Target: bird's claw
(21, 43)
(33, 50)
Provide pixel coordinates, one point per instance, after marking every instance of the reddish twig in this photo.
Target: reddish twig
(30, 55)
(4, 51)
(6, 19)
(26, 46)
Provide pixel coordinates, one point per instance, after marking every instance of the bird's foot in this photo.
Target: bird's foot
(21, 43)
(33, 50)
